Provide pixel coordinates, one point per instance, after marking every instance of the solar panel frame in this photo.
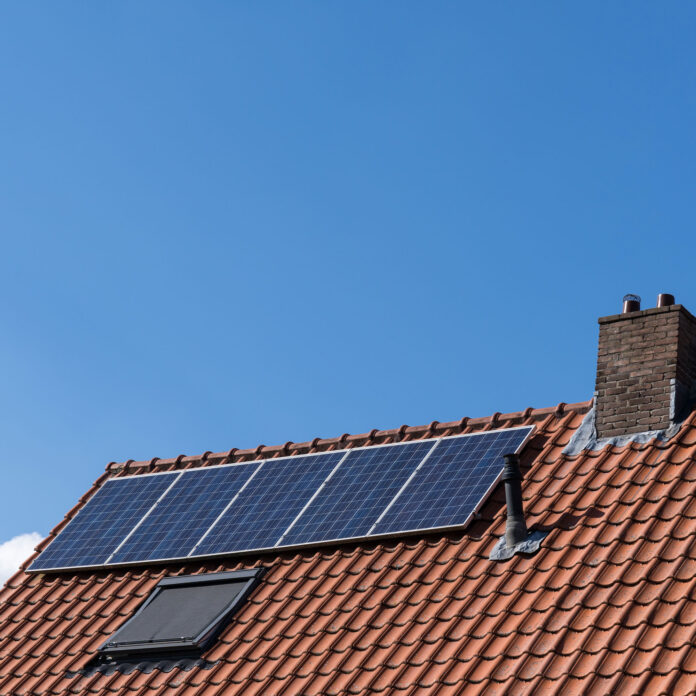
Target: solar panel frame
(362, 476)
(376, 536)
(174, 526)
(268, 501)
(481, 498)
(345, 452)
(85, 511)
(406, 532)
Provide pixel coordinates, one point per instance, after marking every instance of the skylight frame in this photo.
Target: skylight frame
(111, 649)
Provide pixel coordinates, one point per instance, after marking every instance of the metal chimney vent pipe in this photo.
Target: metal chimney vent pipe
(516, 527)
(664, 299)
(631, 303)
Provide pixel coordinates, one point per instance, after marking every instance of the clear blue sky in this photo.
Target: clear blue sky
(233, 223)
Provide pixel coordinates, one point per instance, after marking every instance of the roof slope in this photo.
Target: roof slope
(607, 606)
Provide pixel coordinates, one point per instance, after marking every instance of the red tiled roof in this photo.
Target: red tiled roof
(607, 606)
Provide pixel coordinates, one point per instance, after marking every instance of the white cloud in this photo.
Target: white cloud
(16, 551)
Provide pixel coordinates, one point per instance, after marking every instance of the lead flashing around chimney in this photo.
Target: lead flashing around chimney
(585, 437)
(502, 552)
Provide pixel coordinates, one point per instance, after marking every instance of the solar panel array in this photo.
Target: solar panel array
(290, 501)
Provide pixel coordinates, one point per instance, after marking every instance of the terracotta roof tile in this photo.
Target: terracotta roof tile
(607, 606)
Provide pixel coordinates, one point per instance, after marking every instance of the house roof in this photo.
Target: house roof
(608, 605)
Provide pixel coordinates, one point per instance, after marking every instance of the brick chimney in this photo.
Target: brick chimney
(646, 368)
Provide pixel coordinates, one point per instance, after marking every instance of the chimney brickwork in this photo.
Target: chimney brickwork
(646, 370)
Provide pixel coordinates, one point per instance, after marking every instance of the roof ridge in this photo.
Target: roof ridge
(405, 432)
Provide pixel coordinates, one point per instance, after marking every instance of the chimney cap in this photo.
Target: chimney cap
(631, 303)
(511, 470)
(664, 299)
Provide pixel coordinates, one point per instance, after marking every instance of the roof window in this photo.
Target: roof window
(183, 615)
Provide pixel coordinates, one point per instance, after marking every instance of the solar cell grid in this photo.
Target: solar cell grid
(451, 483)
(270, 502)
(105, 520)
(358, 492)
(294, 500)
(184, 515)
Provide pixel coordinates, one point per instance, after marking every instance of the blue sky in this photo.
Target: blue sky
(228, 223)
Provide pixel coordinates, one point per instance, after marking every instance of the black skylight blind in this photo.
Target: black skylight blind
(183, 613)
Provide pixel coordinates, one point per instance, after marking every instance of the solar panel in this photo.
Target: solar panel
(367, 491)
(353, 499)
(269, 504)
(108, 516)
(176, 524)
(451, 482)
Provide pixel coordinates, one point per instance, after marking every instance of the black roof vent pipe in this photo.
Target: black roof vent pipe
(516, 527)
(516, 539)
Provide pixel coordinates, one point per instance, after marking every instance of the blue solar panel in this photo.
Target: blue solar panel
(283, 502)
(176, 524)
(105, 520)
(350, 503)
(452, 481)
(270, 502)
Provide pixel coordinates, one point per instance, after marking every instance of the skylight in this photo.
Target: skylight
(183, 614)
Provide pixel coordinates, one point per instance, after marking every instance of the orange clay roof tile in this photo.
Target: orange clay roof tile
(608, 605)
